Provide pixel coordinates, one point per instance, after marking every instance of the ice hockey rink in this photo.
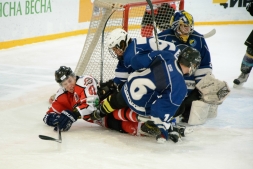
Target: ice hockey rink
(27, 81)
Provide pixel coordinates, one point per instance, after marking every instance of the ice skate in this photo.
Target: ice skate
(173, 136)
(180, 129)
(150, 129)
(240, 80)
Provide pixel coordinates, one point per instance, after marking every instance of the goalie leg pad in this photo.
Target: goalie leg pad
(212, 113)
(199, 113)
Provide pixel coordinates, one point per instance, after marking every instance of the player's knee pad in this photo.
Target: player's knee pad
(199, 113)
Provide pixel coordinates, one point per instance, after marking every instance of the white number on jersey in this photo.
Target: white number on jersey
(138, 86)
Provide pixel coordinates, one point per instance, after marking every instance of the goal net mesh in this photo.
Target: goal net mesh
(135, 18)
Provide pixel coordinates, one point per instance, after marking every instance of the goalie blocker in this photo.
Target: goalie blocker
(212, 93)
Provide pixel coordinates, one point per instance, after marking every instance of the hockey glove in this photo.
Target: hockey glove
(249, 8)
(51, 119)
(106, 89)
(212, 90)
(98, 114)
(66, 119)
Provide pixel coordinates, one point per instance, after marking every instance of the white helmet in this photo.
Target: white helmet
(117, 38)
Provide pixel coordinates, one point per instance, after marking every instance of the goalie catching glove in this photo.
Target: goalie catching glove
(213, 91)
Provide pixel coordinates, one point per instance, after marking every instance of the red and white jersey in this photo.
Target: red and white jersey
(85, 93)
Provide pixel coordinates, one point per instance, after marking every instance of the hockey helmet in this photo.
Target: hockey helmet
(183, 25)
(117, 39)
(63, 73)
(191, 58)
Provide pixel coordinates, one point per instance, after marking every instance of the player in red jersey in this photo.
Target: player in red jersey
(77, 99)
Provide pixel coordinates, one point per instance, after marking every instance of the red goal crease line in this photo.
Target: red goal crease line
(26, 41)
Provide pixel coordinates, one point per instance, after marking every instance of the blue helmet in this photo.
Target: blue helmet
(183, 25)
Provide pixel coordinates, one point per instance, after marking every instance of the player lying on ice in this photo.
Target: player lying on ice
(77, 99)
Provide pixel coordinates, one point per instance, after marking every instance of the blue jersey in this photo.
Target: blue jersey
(158, 90)
(198, 42)
(142, 47)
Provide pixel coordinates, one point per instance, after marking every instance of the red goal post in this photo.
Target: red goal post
(95, 60)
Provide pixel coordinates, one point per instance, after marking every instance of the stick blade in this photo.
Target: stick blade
(210, 34)
(49, 138)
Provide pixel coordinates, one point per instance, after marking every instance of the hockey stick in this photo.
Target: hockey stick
(154, 23)
(59, 140)
(209, 34)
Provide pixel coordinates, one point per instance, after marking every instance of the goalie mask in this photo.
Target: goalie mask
(183, 25)
(117, 42)
(63, 73)
(191, 58)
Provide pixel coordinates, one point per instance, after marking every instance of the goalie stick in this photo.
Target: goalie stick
(209, 34)
(59, 140)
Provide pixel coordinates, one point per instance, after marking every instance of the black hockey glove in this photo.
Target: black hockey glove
(66, 119)
(98, 114)
(51, 119)
(249, 8)
(121, 85)
(106, 89)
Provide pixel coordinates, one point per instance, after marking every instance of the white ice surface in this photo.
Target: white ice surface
(27, 81)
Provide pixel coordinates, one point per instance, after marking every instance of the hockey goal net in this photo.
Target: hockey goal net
(95, 59)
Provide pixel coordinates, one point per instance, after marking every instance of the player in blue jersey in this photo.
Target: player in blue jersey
(182, 34)
(156, 88)
(123, 47)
